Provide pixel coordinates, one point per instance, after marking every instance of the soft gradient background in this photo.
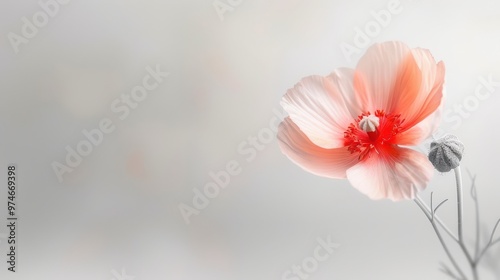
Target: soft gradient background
(119, 208)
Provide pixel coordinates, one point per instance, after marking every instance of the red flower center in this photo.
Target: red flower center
(372, 132)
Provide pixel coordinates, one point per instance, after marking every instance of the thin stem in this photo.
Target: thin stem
(490, 242)
(430, 217)
(472, 262)
(473, 194)
(458, 178)
(448, 272)
(493, 232)
(438, 220)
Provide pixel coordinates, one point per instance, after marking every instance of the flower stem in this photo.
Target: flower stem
(472, 262)
(458, 178)
(478, 226)
(430, 213)
(430, 216)
(436, 218)
(473, 193)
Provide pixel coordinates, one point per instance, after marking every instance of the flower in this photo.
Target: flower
(353, 123)
(446, 153)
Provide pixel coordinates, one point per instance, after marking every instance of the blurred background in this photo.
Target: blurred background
(118, 213)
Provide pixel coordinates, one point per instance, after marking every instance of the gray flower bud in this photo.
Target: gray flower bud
(446, 153)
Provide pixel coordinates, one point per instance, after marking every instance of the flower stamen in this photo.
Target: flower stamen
(371, 132)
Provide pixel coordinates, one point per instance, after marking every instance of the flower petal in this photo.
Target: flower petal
(399, 80)
(430, 94)
(376, 75)
(331, 163)
(421, 131)
(342, 87)
(396, 174)
(323, 107)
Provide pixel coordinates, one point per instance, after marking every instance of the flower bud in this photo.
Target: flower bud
(446, 153)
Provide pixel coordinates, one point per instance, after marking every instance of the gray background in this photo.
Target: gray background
(119, 207)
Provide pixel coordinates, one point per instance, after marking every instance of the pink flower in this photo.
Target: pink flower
(354, 123)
